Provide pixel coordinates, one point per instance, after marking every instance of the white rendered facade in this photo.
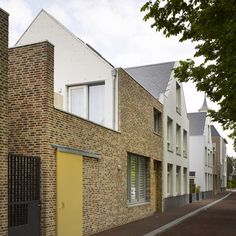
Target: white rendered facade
(76, 64)
(176, 140)
(201, 157)
(223, 163)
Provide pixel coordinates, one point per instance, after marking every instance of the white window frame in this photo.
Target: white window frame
(85, 88)
(170, 134)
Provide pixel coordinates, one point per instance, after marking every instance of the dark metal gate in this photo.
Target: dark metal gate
(23, 195)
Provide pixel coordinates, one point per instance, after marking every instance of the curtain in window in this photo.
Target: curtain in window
(77, 101)
(96, 103)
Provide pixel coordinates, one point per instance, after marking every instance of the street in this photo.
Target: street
(219, 219)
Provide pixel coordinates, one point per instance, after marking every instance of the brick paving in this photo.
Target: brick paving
(148, 224)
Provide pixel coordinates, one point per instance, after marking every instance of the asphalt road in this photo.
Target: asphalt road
(218, 220)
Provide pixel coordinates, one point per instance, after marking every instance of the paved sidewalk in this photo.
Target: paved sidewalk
(157, 220)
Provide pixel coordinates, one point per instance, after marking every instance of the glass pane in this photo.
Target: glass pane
(96, 103)
(133, 177)
(77, 102)
(142, 179)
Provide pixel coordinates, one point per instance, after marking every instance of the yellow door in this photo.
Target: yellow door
(69, 194)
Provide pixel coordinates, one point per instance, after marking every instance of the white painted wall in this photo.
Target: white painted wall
(197, 158)
(169, 102)
(74, 62)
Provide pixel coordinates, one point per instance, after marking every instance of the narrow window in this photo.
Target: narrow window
(137, 178)
(169, 179)
(157, 121)
(178, 180)
(178, 98)
(96, 103)
(178, 139)
(185, 143)
(77, 101)
(169, 134)
(185, 180)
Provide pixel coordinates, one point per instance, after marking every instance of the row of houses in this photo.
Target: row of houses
(86, 146)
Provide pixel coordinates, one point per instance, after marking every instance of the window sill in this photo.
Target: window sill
(169, 150)
(156, 133)
(178, 153)
(130, 205)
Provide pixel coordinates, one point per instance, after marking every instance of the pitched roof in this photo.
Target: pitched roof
(154, 78)
(204, 107)
(214, 131)
(196, 123)
(67, 30)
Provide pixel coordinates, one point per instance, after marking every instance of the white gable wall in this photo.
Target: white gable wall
(169, 99)
(74, 62)
(197, 158)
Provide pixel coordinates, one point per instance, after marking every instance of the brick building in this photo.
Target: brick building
(3, 120)
(119, 173)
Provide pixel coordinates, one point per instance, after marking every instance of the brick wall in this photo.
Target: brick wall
(3, 121)
(30, 97)
(105, 187)
(35, 125)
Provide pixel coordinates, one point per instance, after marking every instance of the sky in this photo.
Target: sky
(116, 30)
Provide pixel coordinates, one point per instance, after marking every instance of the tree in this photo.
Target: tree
(211, 24)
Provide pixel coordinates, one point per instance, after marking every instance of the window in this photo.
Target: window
(178, 139)
(157, 121)
(178, 180)
(206, 156)
(169, 179)
(137, 178)
(169, 134)
(178, 98)
(185, 144)
(87, 101)
(185, 176)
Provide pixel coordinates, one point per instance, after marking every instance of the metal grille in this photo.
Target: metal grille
(23, 187)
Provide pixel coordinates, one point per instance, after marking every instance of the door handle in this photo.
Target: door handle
(62, 205)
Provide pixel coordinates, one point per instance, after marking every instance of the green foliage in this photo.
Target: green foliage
(198, 189)
(211, 24)
(231, 184)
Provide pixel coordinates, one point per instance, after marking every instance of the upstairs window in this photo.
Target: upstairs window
(178, 98)
(157, 121)
(178, 139)
(87, 101)
(185, 143)
(137, 179)
(169, 134)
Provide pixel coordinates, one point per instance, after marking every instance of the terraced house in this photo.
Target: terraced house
(219, 161)
(85, 139)
(201, 151)
(160, 81)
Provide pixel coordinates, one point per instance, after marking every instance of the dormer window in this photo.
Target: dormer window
(178, 98)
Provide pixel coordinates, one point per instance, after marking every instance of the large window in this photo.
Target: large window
(185, 176)
(157, 121)
(137, 179)
(87, 101)
(169, 134)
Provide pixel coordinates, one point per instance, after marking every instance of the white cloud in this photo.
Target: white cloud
(21, 16)
(114, 28)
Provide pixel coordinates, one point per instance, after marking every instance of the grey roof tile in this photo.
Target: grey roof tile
(214, 131)
(196, 123)
(154, 78)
